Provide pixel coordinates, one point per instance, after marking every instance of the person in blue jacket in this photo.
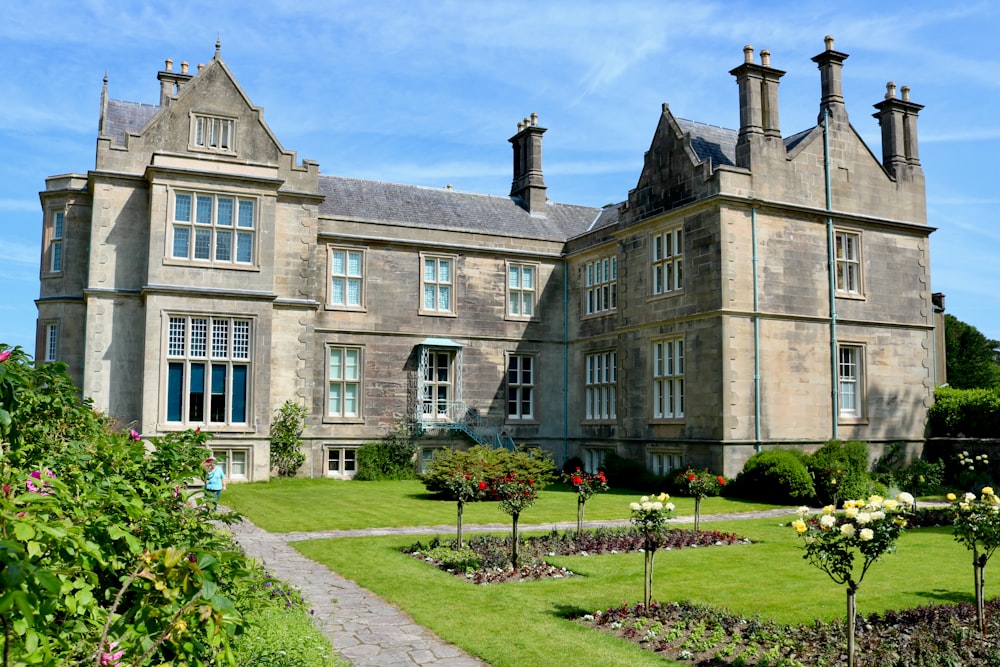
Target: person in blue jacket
(215, 481)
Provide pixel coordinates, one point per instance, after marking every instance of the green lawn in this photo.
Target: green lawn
(768, 578)
(287, 505)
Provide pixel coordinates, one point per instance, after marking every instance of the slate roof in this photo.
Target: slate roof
(711, 142)
(441, 208)
(122, 117)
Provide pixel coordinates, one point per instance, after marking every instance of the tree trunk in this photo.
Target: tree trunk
(851, 616)
(978, 566)
(647, 579)
(580, 504)
(697, 513)
(461, 506)
(513, 548)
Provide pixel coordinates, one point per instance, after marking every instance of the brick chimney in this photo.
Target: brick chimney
(758, 86)
(171, 81)
(831, 64)
(528, 186)
(898, 119)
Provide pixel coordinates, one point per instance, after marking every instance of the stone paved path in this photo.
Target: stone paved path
(364, 628)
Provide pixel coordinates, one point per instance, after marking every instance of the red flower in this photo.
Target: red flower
(468, 477)
(577, 481)
(691, 477)
(4, 355)
(482, 486)
(722, 480)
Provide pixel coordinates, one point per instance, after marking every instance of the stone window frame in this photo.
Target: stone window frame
(667, 261)
(600, 278)
(438, 285)
(849, 274)
(667, 378)
(519, 296)
(340, 416)
(347, 457)
(601, 386)
(347, 277)
(655, 457)
(202, 127)
(214, 228)
(517, 383)
(224, 454)
(851, 381)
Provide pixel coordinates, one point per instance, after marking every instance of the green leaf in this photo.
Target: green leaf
(24, 531)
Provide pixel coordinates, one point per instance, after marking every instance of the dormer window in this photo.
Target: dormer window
(213, 133)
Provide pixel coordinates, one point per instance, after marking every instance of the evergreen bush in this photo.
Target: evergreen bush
(840, 471)
(775, 476)
(391, 457)
(286, 440)
(970, 413)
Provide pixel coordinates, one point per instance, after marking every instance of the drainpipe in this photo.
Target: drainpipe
(565, 362)
(834, 370)
(756, 334)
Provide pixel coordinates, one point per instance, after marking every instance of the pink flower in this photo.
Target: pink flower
(4, 355)
(111, 658)
(132, 433)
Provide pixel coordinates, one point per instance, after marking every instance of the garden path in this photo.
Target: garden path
(365, 629)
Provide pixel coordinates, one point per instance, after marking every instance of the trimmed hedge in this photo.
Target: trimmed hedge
(775, 476)
(970, 413)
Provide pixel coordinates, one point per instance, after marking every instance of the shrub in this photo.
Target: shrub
(840, 472)
(486, 463)
(390, 457)
(631, 474)
(775, 476)
(286, 441)
(971, 413)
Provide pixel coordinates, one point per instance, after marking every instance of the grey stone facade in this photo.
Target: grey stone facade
(754, 290)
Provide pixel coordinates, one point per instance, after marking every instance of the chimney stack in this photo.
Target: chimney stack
(171, 81)
(831, 64)
(758, 86)
(898, 119)
(528, 186)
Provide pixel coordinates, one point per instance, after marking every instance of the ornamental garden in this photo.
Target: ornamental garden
(107, 557)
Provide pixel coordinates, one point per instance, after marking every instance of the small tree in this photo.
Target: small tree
(862, 532)
(699, 484)
(515, 494)
(286, 442)
(977, 526)
(465, 487)
(650, 516)
(586, 485)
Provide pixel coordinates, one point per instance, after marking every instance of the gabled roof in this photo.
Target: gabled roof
(441, 208)
(123, 117)
(711, 142)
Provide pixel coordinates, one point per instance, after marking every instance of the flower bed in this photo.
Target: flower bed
(939, 635)
(485, 559)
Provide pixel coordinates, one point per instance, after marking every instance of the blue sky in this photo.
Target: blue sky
(429, 92)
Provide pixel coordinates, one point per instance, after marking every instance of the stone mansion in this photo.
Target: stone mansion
(754, 290)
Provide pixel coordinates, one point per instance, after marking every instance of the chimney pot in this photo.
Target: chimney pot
(201, 66)
(890, 90)
(906, 93)
(534, 119)
(184, 67)
(520, 125)
(748, 53)
(829, 42)
(169, 65)
(765, 58)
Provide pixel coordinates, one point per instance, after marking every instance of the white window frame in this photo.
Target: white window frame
(347, 277)
(213, 133)
(847, 254)
(56, 254)
(225, 455)
(601, 386)
(664, 461)
(851, 381)
(522, 290)
(667, 261)
(522, 374)
(51, 342)
(437, 291)
(210, 342)
(344, 377)
(345, 457)
(668, 378)
(594, 458)
(601, 285)
(200, 226)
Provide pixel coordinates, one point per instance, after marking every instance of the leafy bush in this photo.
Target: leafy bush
(390, 457)
(775, 476)
(487, 463)
(970, 413)
(840, 471)
(286, 440)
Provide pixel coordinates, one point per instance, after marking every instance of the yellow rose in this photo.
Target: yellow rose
(800, 526)
(951, 497)
(987, 490)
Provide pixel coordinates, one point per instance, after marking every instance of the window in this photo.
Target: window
(668, 379)
(521, 290)
(848, 258)
(593, 458)
(344, 385)
(346, 271)
(232, 461)
(208, 370)
(51, 341)
(341, 461)
(662, 463)
(56, 242)
(601, 279)
(668, 262)
(601, 386)
(438, 387)
(436, 283)
(214, 133)
(520, 387)
(851, 388)
(213, 228)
